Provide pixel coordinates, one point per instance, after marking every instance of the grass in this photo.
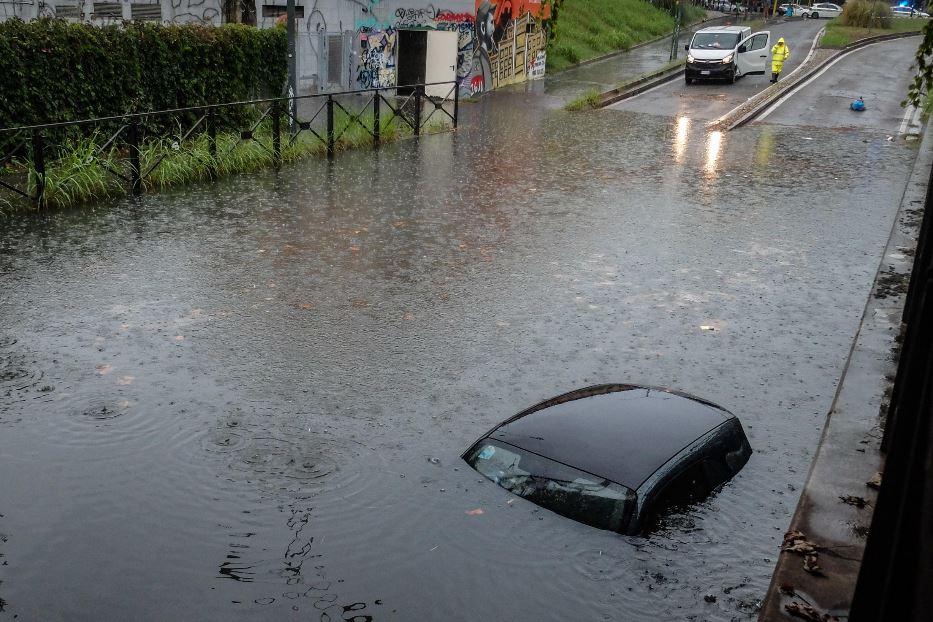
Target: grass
(590, 28)
(81, 172)
(588, 100)
(838, 36)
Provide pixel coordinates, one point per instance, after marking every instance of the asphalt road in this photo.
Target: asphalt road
(712, 99)
(879, 73)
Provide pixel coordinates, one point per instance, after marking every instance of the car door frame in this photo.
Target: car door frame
(752, 62)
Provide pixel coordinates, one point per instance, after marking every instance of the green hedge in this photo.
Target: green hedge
(53, 70)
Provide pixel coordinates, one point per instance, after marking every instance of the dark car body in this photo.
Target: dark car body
(614, 456)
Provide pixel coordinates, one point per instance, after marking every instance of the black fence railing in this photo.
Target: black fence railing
(897, 567)
(27, 152)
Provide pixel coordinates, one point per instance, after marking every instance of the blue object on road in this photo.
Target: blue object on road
(858, 105)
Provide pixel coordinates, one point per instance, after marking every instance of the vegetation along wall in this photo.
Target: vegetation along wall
(54, 70)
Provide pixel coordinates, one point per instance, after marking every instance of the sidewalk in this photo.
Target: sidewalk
(836, 506)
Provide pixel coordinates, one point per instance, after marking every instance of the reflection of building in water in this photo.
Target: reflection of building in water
(680, 138)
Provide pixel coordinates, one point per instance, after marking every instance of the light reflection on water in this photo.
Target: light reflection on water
(252, 395)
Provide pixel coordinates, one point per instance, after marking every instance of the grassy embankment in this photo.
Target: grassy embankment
(838, 36)
(590, 28)
(80, 173)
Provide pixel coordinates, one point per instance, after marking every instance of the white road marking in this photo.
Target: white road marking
(793, 90)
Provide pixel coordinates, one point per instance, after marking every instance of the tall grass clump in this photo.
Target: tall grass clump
(90, 168)
(866, 14)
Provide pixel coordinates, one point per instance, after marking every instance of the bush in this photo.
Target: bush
(866, 14)
(58, 71)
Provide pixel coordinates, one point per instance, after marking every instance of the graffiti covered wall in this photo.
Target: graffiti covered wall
(347, 44)
(499, 42)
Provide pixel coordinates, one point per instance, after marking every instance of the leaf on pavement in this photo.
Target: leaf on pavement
(809, 613)
(858, 502)
(811, 565)
(796, 542)
(104, 369)
(475, 512)
(875, 481)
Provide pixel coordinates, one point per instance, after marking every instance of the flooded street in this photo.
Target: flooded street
(246, 400)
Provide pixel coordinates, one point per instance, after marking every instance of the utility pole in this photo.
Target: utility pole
(291, 90)
(675, 39)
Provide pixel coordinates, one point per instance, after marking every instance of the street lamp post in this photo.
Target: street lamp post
(292, 88)
(675, 39)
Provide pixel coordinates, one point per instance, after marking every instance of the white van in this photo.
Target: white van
(726, 53)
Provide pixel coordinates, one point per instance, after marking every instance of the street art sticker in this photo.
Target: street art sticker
(377, 59)
(510, 41)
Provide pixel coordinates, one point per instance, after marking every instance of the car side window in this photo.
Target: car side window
(757, 42)
(691, 485)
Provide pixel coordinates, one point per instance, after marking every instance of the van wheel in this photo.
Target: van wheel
(814, 16)
(688, 80)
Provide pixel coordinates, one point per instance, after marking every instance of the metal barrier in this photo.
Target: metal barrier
(897, 567)
(33, 141)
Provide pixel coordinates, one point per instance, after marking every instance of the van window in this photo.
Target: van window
(714, 41)
(757, 42)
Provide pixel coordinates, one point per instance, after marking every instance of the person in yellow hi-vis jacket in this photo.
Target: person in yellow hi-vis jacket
(779, 53)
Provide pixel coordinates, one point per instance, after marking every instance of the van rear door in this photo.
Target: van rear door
(751, 57)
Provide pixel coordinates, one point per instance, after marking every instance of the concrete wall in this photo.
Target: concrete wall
(352, 44)
(166, 11)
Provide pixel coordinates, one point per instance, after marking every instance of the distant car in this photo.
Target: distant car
(798, 9)
(907, 11)
(614, 456)
(822, 9)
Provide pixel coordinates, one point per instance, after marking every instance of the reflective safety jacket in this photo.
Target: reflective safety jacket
(779, 53)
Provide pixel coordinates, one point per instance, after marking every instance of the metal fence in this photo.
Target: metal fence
(897, 567)
(283, 119)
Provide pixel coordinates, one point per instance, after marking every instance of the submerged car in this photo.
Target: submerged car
(614, 456)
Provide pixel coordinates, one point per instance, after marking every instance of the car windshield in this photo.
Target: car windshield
(714, 41)
(564, 490)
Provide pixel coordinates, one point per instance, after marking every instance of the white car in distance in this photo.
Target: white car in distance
(823, 9)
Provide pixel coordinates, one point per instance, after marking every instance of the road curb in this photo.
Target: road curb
(640, 85)
(768, 96)
(836, 506)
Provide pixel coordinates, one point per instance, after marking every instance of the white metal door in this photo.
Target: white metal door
(752, 55)
(441, 62)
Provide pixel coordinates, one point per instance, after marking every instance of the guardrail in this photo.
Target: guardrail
(36, 146)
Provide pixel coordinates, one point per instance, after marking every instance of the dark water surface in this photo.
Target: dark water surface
(246, 400)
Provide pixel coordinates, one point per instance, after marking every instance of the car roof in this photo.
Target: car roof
(621, 432)
(734, 29)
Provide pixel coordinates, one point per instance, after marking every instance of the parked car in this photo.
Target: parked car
(908, 11)
(822, 9)
(798, 9)
(614, 456)
(726, 53)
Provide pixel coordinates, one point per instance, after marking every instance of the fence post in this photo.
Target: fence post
(212, 140)
(456, 101)
(276, 133)
(377, 122)
(418, 91)
(135, 169)
(330, 125)
(38, 161)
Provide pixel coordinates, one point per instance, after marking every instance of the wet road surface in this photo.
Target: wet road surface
(709, 100)
(246, 400)
(825, 101)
